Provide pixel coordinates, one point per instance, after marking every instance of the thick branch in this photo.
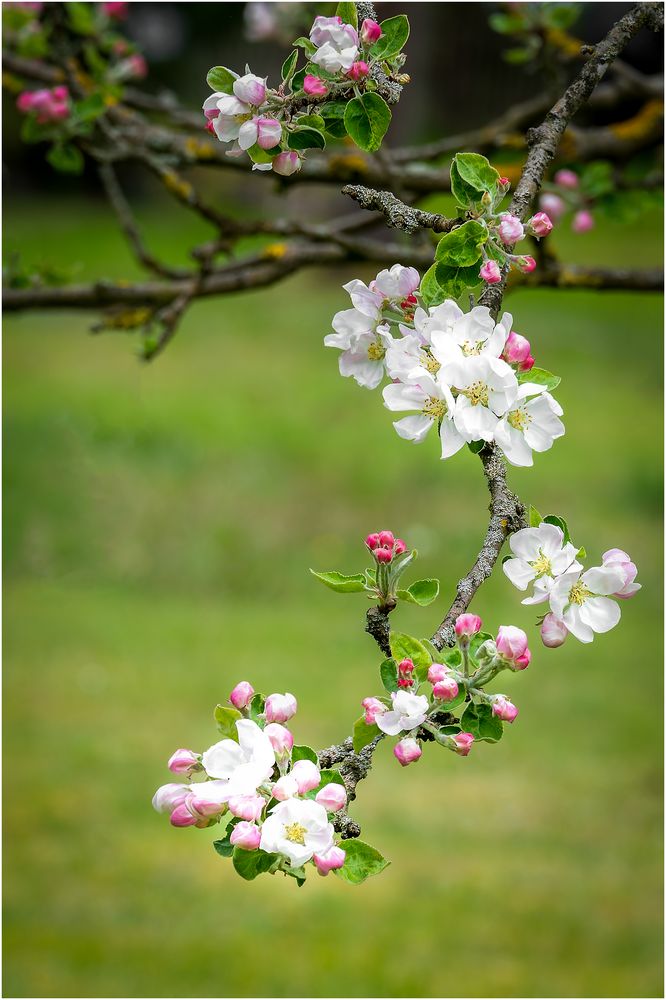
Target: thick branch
(399, 215)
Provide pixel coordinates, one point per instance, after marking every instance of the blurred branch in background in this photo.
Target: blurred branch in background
(168, 141)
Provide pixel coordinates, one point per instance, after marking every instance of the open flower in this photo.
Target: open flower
(487, 389)
(397, 282)
(337, 44)
(409, 711)
(243, 765)
(539, 556)
(434, 403)
(530, 425)
(582, 601)
(363, 344)
(620, 560)
(472, 333)
(297, 828)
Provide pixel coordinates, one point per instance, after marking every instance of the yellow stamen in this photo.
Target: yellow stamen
(295, 833)
(435, 408)
(579, 593)
(542, 565)
(477, 393)
(376, 351)
(431, 364)
(519, 419)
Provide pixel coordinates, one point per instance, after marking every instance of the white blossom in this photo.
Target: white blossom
(540, 555)
(397, 282)
(243, 765)
(581, 601)
(530, 425)
(471, 334)
(297, 828)
(434, 403)
(409, 711)
(487, 388)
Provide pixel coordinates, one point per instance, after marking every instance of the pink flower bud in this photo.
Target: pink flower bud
(468, 625)
(246, 835)
(286, 163)
(504, 709)
(250, 89)
(539, 224)
(566, 179)
(620, 560)
(116, 11)
(504, 183)
(437, 672)
(372, 541)
(314, 87)
(269, 132)
(383, 555)
(526, 264)
(582, 222)
(399, 547)
(527, 364)
(184, 762)
(306, 774)
(210, 127)
(373, 707)
(407, 751)
(370, 31)
(333, 858)
(282, 740)
(511, 642)
(490, 272)
(522, 661)
(285, 788)
(516, 349)
(446, 689)
(60, 93)
(332, 797)
(358, 71)
(510, 229)
(181, 816)
(406, 667)
(280, 707)
(553, 205)
(24, 102)
(248, 807)
(553, 632)
(463, 742)
(168, 797)
(386, 538)
(242, 695)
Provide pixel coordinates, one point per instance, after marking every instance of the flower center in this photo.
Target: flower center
(295, 833)
(477, 393)
(435, 408)
(542, 565)
(519, 419)
(472, 348)
(579, 593)
(431, 364)
(376, 351)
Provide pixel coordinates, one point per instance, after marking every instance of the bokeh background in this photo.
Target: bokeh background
(159, 525)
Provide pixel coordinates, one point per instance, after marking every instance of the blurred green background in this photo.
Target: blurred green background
(159, 525)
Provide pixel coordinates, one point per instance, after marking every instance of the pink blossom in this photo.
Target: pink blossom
(553, 205)
(117, 11)
(248, 807)
(285, 788)
(269, 132)
(490, 272)
(313, 86)
(511, 642)
(370, 31)
(463, 743)
(516, 349)
(446, 689)
(399, 547)
(372, 541)
(620, 560)
(286, 163)
(583, 221)
(504, 709)
(383, 555)
(566, 179)
(242, 695)
(468, 625)
(184, 762)
(525, 263)
(331, 859)
(246, 835)
(540, 224)
(282, 740)
(306, 774)
(181, 816)
(406, 667)
(386, 538)
(168, 797)
(332, 797)
(527, 364)
(280, 707)
(437, 672)
(358, 71)
(47, 105)
(553, 631)
(510, 229)
(373, 707)
(407, 751)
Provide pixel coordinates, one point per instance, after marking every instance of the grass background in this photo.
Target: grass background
(159, 525)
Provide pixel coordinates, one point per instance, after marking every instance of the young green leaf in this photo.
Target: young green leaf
(466, 196)
(347, 11)
(226, 719)
(303, 753)
(363, 734)
(454, 281)
(224, 846)
(430, 290)
(366, 119)
(423, 592)
(395, 32)
(559, 522)
(462, 247)
(66, 158)
(89, 108)
(481, 723)
(405, 647)
(221, 79)
(388, 671)
(304, 43)
(256, 707)
(361, 862)
(289, 66)
(476, 171)
(353, 584)
(541, 377)
(306, 138)
(249, 864)
(534, 517)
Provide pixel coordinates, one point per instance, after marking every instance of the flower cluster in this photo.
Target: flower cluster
(46, 105)
(544, 558)
(277, 802)
(505, 230)
(461, 372)
(424, 689)
(565, 195)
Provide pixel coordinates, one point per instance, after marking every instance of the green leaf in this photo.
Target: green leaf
(466, 196)
(451, 657)
(476, 446)
(256, 707)
(559, 522)
(363, 734)
(298, 873)
(395, 32)
(506, 24)
(249, 864)
(299, 79)
(333, 109)
(306, 44)
(226, 719)
(429, 290)
(582, 553)
(66, 158)
(289, 66)
(259, 155)
(561, 15)
(342, 584)
(518, 55)
(481, 723)
(405, 647)
(388, 671)
(423, 592)
(476, 172)
(221, 79)
(89, 108)
(366, 119)
(31, 131)
(475, 644)
(454, 281)
(311, 121)
(81, 18)
(330, 777)
(304, 753)
(361, 862)
(224, 846)
(347, 11)
(462, 247)
(306, 138)
(541, 377)
(534, 517)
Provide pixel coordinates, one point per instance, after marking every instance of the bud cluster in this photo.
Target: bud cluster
(565, 195)
(504, 231)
